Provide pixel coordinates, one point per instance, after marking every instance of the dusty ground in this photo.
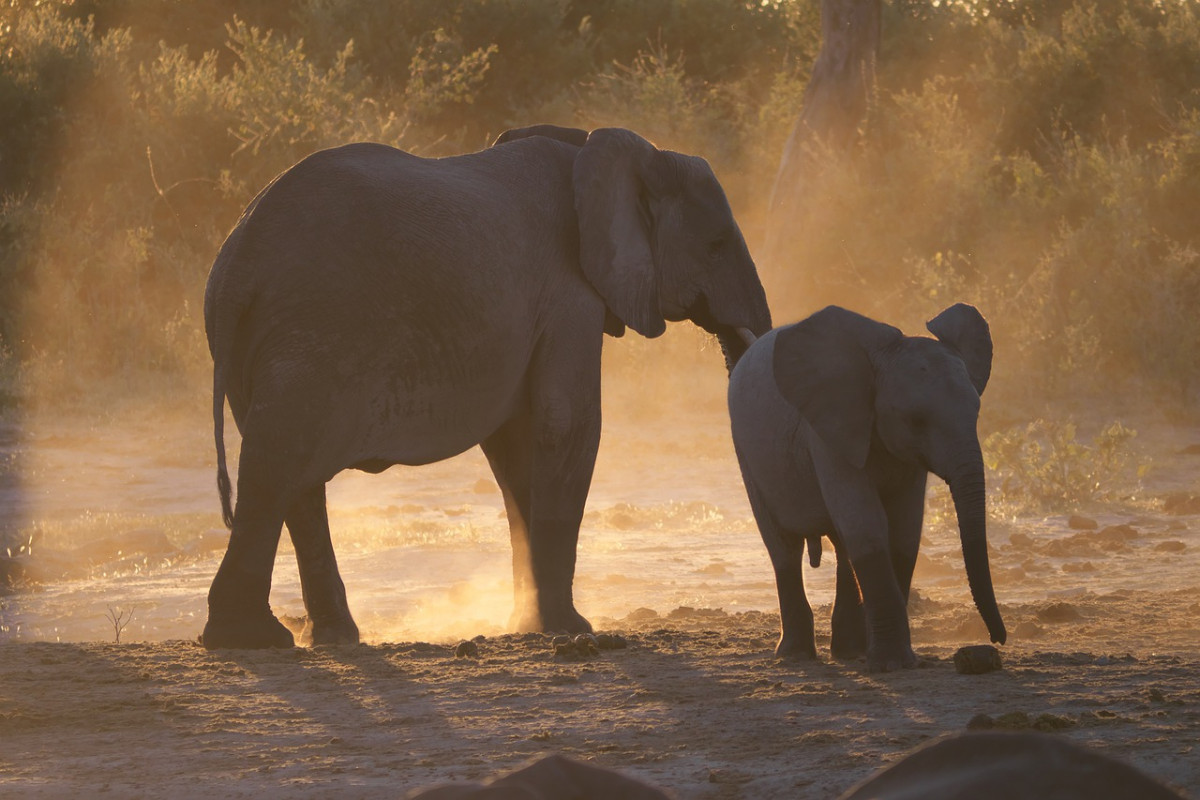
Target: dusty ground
(1104, 649)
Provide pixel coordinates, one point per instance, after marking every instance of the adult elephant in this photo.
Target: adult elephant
(374, 308)
(999, 765)
(837, 422)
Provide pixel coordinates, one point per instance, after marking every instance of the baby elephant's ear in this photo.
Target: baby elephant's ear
(965, 330)
(822, 366)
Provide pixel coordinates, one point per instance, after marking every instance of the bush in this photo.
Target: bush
(1040, 158)
(1043, 465)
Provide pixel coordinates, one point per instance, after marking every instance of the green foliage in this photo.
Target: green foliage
(1043, 465)
(1040, 158)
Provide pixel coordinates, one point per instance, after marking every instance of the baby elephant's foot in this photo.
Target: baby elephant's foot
(796, 648)
(891, 659)
(329, 631)
(249, 632)
(848, 642)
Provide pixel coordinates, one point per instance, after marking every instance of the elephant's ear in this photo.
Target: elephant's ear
(965, 330)
(614, 225)
(823, 367)
(573, 136)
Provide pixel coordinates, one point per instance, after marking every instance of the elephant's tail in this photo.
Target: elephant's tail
(226, 299)
(224, 487)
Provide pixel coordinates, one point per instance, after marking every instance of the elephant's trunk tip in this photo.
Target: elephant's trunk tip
(997, 631)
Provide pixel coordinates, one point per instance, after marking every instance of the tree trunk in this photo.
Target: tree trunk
(835, 103)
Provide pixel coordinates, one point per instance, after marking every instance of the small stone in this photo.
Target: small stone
(920, 604)
(586, 644)
(1021, 541)
(1170, 547)
(611, 641)
(560, 640)
(981, 722)
(466, 649)
(1059, 612)
(1117, 534)
(1181, 503)
(1013, 720)
(1029, 630)
(641, 614)
(1081, 523)
(567, 652)
(977, 659)
(1052, 722)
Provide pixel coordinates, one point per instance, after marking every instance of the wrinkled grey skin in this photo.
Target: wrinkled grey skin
(551, 777)
(1008, 766)
(374, 308)
(837, 421)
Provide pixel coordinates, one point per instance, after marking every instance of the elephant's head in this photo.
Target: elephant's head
(856, 380)
(658, 241)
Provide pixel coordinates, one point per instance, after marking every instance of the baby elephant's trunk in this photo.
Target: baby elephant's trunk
(970, 504)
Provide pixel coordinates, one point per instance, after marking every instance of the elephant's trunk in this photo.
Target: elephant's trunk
(734, 344)
(970, 504)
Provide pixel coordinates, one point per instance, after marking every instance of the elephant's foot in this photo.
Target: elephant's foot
(567, 620)
(891, 659)
(245, 632)
(796, 648)
(341, 630)
(849, 641)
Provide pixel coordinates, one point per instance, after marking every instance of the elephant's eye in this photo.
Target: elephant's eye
(716, 246)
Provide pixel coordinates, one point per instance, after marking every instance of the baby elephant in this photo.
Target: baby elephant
(837, 421)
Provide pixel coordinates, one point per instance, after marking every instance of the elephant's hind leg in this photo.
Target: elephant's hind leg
(239, 611)
(797, 637)
(329, 619)
(849, 640)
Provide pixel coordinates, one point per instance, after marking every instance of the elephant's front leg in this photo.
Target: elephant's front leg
(564, 435)
(544, 490)
(862, 526)
(509, 451)
(849, 639)
(566, 439)
(906, 515)
(329, 619)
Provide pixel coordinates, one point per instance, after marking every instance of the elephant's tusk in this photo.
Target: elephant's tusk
(746, 336)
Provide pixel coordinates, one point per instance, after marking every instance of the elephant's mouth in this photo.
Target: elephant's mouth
(734, 341)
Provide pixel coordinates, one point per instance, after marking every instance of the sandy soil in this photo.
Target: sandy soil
(1104, 649)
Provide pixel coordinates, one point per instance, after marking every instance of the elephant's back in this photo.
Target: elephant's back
(754, 398)
(373, 219)
(769, 436)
